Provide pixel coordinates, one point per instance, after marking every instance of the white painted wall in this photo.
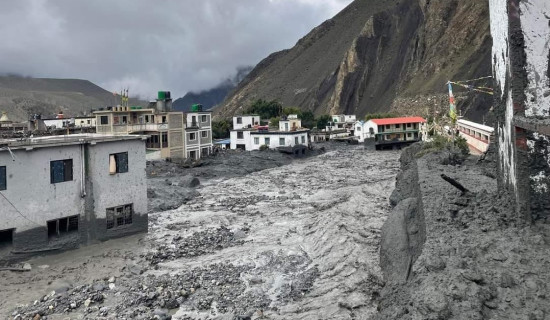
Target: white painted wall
(535, 22)
(246, 121)
(274, 139)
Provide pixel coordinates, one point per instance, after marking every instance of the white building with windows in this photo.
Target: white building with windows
(478, 136)
(63, 191)
(198, 133)
(249, 135)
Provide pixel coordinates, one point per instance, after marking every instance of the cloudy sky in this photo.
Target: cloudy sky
(146, 45)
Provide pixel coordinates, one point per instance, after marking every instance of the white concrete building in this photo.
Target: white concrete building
(62, 191)
(364, 130)
(477, 135)
(289, 135)
(246, 121)
(341, 122)
(198, 133)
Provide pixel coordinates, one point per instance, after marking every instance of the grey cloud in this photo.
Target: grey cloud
(181, 46)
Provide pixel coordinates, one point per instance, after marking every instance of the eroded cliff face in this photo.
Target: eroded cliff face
(372, 53)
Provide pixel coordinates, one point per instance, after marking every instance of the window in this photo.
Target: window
(146, 118)
(387, 126)
(371, 130)
(409, 125)
(164, 138)
(61, 171)
(124, 119)
(192, 136)
(281, 141)
(358, 128)
(303, 139)
(296, 140)
(204, 134)
(266, 141)
(60, 227)
(89, 121)
(104, 119)
(163, 119)
(3, 180)
(409, 135)
(240, 135)
(119, 216)
(239, 120)
(152, 119)
(256, 140)
(118, 162)
(6, 238)
(204, 152)
(193, 154)
(204, 118)
(397, 126)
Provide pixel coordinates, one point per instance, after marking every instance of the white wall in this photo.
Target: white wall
(274, 139)
(30, 190)
(246, 121)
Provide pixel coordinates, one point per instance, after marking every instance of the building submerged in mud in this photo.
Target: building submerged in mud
(59, 192)
(248, 134)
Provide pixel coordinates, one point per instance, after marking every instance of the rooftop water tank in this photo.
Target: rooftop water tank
(197, 107)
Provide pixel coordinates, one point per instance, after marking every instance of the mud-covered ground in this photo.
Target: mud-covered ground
(480, 259)
(296, 241)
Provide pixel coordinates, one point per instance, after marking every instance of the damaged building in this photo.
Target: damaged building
(62, 191)
(521, 54)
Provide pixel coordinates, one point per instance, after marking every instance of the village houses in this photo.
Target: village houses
(390, 133)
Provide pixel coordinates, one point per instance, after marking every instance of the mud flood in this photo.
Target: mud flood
(299, 241)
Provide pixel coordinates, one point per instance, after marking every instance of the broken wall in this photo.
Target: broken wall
(521, 69)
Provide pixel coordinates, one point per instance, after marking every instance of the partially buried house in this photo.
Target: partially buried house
(62, 191)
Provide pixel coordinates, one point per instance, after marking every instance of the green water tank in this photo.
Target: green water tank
(162, 95)
(196, 107)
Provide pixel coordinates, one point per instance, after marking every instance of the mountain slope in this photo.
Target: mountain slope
(372, 53)
(213, 97)
(22, 96)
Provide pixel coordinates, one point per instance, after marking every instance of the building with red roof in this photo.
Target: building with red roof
(390, 133)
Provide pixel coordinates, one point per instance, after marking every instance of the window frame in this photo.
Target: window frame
(239, 120)
(296, 141)
(204, 134)
(256, 140)
(283, 140)
(204, 118)
(267, 141)
(68, 171)
(104, 120)
(3, 178)
(191, 134)
(119, 216)
(303, 139)
(118, 162)
(240, 135)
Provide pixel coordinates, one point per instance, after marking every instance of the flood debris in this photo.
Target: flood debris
(296, 240)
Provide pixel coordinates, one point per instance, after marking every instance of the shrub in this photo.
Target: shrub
(264, 147)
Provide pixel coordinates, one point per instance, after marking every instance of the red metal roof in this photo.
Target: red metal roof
(386, 121)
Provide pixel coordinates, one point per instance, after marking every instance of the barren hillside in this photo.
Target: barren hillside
(374, 52)
(22, 96)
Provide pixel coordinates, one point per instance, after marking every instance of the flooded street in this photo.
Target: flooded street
(298, 241)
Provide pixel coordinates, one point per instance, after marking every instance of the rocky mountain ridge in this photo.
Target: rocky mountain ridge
(372, 53)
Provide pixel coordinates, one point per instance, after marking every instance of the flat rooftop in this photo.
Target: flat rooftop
(71, 139)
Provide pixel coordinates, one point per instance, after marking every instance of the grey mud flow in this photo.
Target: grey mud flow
(299, 241)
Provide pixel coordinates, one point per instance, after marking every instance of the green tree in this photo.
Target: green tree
(308, 119)
(323, 120)
(274, 122)
(292, 110)
(221, 129)
(265, 109)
